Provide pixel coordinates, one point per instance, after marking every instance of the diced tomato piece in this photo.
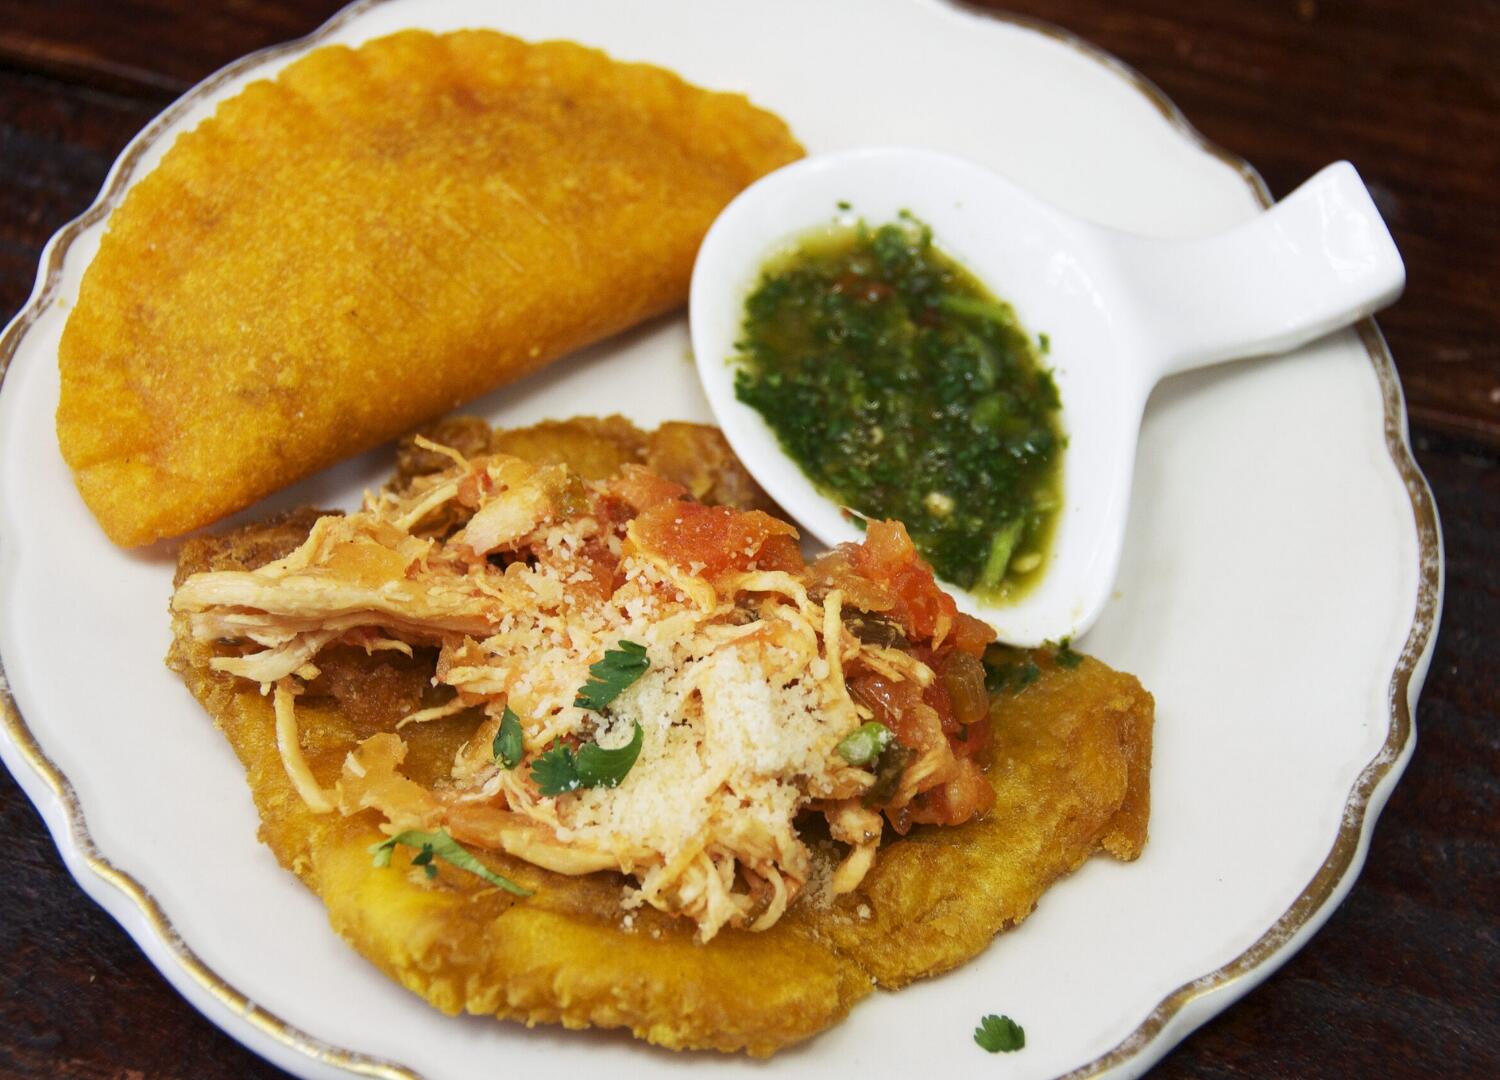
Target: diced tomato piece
(970, 635)
(643, 489)
(966, 795)
(962, 676)
(887, 555)
(973, 741)
(935, 696)
(835, 570)
(886, 548)
(780, 552)
(902, 707)
(715, 540)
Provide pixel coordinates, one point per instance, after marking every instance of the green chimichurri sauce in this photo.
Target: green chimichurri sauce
(904, 389)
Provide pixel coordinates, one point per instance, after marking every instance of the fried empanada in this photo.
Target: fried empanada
(1069, 764)
(370, 238)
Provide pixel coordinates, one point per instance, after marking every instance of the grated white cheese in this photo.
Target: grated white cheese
(739, 717)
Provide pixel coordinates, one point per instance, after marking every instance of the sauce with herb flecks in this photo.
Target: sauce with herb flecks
(905, 390)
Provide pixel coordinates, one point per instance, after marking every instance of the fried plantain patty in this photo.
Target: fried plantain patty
(1070, 764)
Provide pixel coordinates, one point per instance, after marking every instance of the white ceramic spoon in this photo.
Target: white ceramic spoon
(1121, 312)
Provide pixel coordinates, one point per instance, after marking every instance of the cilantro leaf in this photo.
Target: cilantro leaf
(611, 675)
(864, 744)
(1002, 677)
(999, 1034)
(560, 770)
(1065, 656)
(440, 845)
(598, 767)
(424, 860)
(507, 745)
(554, 772)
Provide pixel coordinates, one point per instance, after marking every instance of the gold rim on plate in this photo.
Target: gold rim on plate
(1260, 958)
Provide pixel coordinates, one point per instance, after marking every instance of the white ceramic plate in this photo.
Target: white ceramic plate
(1278, 594)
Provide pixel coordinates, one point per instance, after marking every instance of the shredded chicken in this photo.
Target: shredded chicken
(522, 577)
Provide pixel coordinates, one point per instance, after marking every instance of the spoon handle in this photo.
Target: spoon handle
(1315, 262)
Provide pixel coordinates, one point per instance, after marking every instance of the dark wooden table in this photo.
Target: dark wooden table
(1405, 978)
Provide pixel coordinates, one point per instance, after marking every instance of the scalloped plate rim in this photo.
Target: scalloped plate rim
(1171, 1020)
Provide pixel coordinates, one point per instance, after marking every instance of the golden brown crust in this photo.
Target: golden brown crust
(697, 456)
(1070, 766)
(369, 239)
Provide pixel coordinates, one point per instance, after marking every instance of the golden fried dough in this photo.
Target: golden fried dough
(1070, 765)
(370, 238)
(697, 456)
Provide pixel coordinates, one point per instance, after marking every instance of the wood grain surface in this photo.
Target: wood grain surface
(1404, 981)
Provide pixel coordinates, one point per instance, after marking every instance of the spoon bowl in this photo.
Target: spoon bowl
(1120, 312)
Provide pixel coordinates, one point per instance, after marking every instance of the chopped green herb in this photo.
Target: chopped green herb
(999, 1034)
(844, 204)
(440, 845)
(507, 745)
(1009, 670)
(1065, 656)
(1002, 547)
(995, 676)
(560, 770)
(424, 860)
(864, 744)
(977, 306)
(598, 767)
(1044, 343)
(609, 677)
(554, 772)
